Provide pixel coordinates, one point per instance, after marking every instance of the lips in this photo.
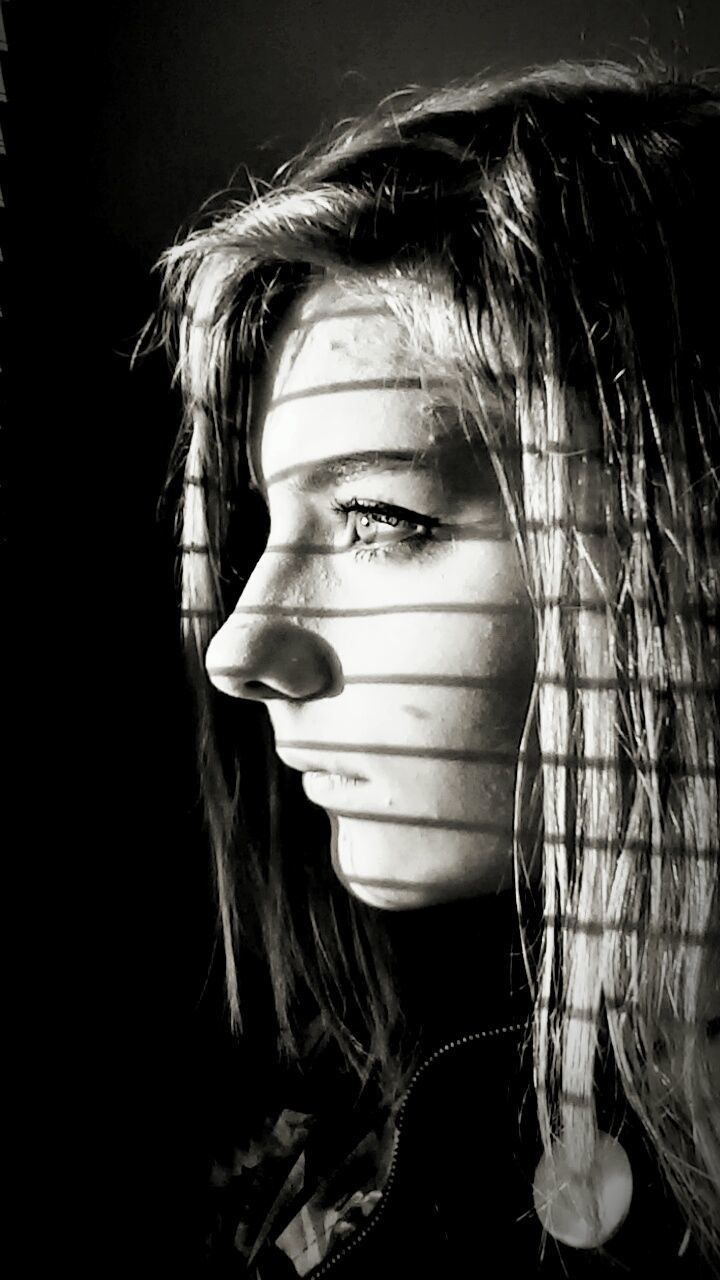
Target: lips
(326, 788)
(326, 764)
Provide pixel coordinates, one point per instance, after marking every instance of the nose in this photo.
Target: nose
(261, 658)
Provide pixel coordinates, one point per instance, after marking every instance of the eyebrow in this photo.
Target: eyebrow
(439, 411)
(323, 474)
(447, 453)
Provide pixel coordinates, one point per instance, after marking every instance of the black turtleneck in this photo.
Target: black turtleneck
(459, 967)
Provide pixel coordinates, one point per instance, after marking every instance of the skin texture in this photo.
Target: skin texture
(425, 704)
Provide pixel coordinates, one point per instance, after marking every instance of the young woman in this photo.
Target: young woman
(450, 591)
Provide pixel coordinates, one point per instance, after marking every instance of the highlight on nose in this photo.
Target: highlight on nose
(262, 659)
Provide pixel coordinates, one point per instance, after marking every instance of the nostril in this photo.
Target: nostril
(257, 689)
(287, 661)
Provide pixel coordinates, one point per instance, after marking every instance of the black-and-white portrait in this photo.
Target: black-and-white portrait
(395, 585)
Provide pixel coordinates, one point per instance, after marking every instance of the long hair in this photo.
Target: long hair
(551, 237)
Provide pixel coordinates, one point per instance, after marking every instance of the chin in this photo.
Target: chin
(392, 898)
(398, 896)
(375, 877)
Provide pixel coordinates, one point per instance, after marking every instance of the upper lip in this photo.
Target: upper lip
(308, 764)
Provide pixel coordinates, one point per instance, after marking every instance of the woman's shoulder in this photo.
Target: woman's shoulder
(302, 1184)
(420, 1187)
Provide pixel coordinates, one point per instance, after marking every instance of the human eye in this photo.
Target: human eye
(380, 528)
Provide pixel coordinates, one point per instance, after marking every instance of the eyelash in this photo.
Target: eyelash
(404, 546)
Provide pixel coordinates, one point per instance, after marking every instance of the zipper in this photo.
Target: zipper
(363, 1232)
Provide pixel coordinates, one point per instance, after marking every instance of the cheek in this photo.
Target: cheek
(454, 675)
(488, 646)
(469, 637)
(484, 671)
(442, 681)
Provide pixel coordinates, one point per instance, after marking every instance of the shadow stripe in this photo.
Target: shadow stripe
(613, 1005)
(495, 608)
(612, 844)
(447, 534)
(358, 384)
(509, 451)
(412, 753)
(669, 933)
(561, 523)
(508, 683)
(406, 820)
(511, 758)
(587, 1015)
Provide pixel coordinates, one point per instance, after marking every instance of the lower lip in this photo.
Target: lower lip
(327, 784)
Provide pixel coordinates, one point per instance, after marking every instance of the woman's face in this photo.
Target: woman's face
(386, 623)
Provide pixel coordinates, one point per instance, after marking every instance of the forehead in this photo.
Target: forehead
(347, 330)
(341, 375)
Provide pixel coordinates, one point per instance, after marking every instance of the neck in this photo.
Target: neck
(459, 966)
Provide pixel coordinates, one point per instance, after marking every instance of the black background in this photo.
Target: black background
(122, 119)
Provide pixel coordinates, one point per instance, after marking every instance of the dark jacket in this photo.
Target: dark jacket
(442, 1184)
